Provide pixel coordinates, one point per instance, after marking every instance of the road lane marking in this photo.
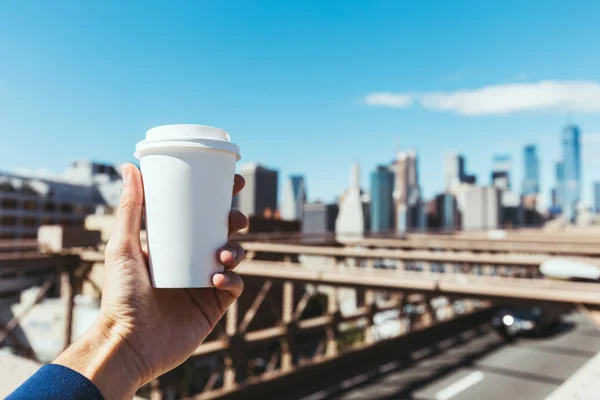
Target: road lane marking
(459, 386)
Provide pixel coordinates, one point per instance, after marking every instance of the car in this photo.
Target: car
(532, 321)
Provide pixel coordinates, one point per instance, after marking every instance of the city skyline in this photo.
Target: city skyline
(502, 163)
(91, 92)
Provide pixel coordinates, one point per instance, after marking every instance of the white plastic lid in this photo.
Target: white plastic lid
(187, 136)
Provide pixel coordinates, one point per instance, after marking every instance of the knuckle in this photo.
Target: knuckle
(127, 203)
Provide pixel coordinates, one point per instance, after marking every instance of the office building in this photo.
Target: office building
(470, 179)
(454, 170)
(446, 211)
(482, 208)
(399, 168)
(319, 217)
(501, 171)
(352, 220)
(408, 205)
(27, 202)
(260, 193)
(382, 201)
(531, 181)
(294, 197)
(412, 168)
(554, 197)
(512, 209)
(560, 184)
(571, 188)
(597, 197)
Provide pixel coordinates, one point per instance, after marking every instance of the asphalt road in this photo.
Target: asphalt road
(481, 367)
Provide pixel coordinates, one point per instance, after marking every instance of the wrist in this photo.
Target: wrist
(103, 356)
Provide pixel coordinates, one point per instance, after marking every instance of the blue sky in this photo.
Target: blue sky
(292, 82)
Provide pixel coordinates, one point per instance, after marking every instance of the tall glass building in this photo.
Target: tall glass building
(294, 197)
(382, 201)
(597, 197)
(501, 171)
(531, 182)
(571, 146)
(560, 185)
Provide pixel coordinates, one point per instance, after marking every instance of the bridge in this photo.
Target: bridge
(313, 313)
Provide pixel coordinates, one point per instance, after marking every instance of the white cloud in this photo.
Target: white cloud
(389, 100)
(576, 96)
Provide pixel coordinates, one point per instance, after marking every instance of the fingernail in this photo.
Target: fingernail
(226, 279)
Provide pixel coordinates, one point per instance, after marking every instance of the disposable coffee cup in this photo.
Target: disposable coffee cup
(188, 173)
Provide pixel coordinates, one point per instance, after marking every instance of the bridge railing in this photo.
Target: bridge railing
(286, 326)
(329, 315)
(426, 261)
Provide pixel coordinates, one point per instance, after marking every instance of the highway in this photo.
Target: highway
(481, 367)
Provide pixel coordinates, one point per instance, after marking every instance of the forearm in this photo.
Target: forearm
(102, 356)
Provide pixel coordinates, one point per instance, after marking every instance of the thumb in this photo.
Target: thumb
(126, 236)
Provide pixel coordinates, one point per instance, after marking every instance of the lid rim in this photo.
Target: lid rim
(191, 131)
(212, 144)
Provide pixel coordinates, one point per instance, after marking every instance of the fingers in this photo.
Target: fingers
(238, 183)
(237, 221)
(230, 282)
(231, 255)
(126, 236)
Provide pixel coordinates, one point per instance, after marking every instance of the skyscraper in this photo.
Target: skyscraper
(447, 211)
(454, 169)
(501, 171)
(351, 221)
(531, 182)
(407, 193)
(483, 208)
(294, 197)
(319, 217)
(597, 197)
(260, 192)
(560, 184)
(412, 168)
(571, 147)
(382, 201)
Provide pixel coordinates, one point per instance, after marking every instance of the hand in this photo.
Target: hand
(143, 332)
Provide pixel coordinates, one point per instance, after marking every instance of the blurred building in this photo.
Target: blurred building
(409, 209)
(531, 182)
(433, 218)
(531, 215)
(571, 187)
(260, 192)
(560, 185)
(446, 209)
(382, 201)
(512, 210)
(294, 197)
(597, 197)
(454, 169)
(470, 179)
(352, 220)
(269, 222)
(501, 171)
(27, 202)
(319, 217)
(482, 208)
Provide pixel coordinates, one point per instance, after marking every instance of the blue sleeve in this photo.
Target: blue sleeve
(53, 382)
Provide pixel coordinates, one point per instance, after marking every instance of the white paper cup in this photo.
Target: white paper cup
(188, 173)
